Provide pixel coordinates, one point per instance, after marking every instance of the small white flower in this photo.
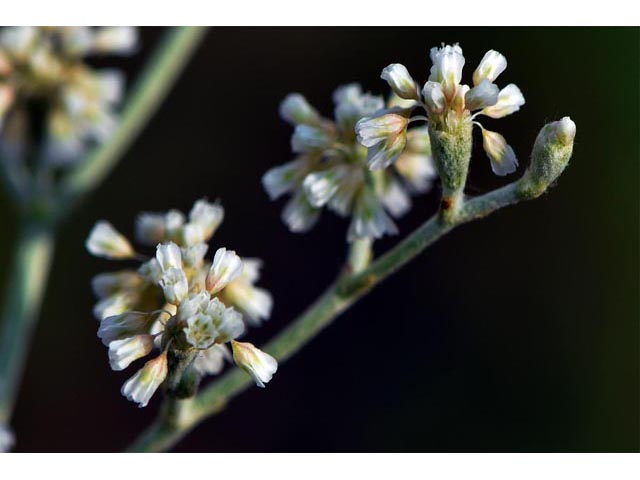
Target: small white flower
(383, 154)
(105, 241)
(124, 325)
(492, 64)
(141, 387)
(510, 99)
(150, 228)
(296, 110)
(284, 178)
(352, 105)
(200, 331)
(321, 186)
(230, 326)
(417, 170)
(369, 218)
(447, 68)
(114, 305)
(211, 360)
(225, 267)
(175, 285)
(106, 284)
(7, 439)
(208, 216)
(434, 97)
(110, 85)
(503, 159)
(260, 365)
(400, 81)
(151, 271)
(373, 130)
(299, 215)
(565, 130)
(173, 222)
(255, 302)
(483, 95)
(306, 138)
(193, 256)
(169, 256)
(123, 352)
(118, 40)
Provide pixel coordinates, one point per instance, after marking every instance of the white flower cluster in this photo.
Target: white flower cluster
(331, 168)
(44, 68)
(448, 103)
(177, 299)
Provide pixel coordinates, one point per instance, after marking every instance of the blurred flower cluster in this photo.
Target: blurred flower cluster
(330, 168)
(48, 91)
(449, 105)
(177, 299)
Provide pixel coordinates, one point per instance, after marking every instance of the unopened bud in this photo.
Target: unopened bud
(551, 153)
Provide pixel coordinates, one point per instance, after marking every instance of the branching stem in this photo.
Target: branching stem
(169, 429)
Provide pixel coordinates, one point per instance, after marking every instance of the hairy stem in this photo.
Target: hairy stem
(154, 84)
(26, 283)
(166, 431)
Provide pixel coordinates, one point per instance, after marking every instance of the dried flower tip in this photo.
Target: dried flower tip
(296, 110)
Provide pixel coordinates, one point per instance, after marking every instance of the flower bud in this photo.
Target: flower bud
(106, 284)
(208, 216)
(124, 325)
(141, 387)
(260, 365)
(306, 138)
(434, 97)
(211, 360)
(400, 81)
(503, 159)
(150, 228)
(551, 153)
(492, 64)
(123, 352)
(175, 285)
(169, 256)
(225, 267)
(105, 241)
(296, 110)
(481, 96)
(118, 40)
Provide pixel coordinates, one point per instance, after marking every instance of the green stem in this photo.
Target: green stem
(166, 431)
(152, 87)
(26, 284)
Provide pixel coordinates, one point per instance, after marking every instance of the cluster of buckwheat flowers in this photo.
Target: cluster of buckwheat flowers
(178, 303)
(331, 167)
(44, 76)
(451, 109)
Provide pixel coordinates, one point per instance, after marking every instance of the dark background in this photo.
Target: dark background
(515, 333)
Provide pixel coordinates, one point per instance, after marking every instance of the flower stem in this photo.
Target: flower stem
(166, 431)
(154, 84)
(26, 284)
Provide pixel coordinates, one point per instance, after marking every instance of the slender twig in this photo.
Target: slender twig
(170, 427)
(24, 292)
(146, 96)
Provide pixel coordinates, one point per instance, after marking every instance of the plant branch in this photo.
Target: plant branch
(23, 296)
(168, 429)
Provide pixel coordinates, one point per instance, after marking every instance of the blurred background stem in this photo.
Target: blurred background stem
(23, 297)
(41, 211)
